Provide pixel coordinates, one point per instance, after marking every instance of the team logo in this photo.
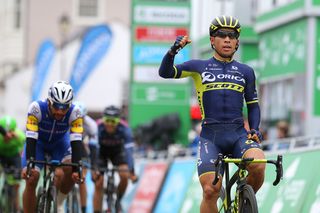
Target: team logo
(210, 77)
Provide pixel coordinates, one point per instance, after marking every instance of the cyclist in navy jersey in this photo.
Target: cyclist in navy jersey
(54, 127)
(222, 84)
(115, 144)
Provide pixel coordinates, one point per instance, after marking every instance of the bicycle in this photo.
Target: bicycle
(110, 189)
(8, 192)
(73, 203)
(244, 199)
(47, 193)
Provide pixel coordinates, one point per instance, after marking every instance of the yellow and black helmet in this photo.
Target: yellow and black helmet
(224, 22)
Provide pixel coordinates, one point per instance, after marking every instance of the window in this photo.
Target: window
(89, 12)
(17, 14)
(88, 8)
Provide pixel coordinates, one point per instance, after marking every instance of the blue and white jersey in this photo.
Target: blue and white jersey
(44, 128)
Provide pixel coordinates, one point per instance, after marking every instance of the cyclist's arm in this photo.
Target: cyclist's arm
(129, 148)
(167, 70)
(32, 128)
(91, 128)
(252, 101)
(76, 131)
(186, 69)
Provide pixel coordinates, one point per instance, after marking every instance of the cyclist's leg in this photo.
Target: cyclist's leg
(250, 149)
(29, 193)
(63, 176)
(119, 160)
(62, 152)
(83, 186)
(15, 164)
(208, 152)
(83, 192)
(98, 187)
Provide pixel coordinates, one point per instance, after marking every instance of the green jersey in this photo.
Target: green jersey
(14, 146)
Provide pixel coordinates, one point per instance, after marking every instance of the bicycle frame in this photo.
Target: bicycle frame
(239, 177)
(48, 188)
(110, 188)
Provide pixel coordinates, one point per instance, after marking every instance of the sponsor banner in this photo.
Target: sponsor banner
(298, 191)
(147, 54)
(43, 63)
(178, 179)
(95, 45)
(161, 15)
(161, 94)
(149, 187)
(149, 73)
(155, 34)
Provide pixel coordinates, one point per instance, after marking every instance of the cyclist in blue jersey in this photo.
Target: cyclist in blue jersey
(54, 127)
(115, 144)
(89, 148)
(222, 84)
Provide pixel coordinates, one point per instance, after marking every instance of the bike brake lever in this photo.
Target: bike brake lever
(279, 170)
(217, 164)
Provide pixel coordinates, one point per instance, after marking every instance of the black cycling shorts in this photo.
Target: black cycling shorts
(228, 139)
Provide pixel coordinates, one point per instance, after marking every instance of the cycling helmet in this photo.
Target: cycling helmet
(60, 95)
(8, 123)
(111, 111)
(224, 22)
(82, 107)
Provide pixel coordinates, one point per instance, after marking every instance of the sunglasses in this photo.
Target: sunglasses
(224, 34)
(58, 106)
(111, 120)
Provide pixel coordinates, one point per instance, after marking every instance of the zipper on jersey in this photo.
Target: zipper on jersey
(54, 124)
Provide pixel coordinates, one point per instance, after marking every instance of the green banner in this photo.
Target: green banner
(300, 179)
(155, 25)
(283, 50)
(316, 102)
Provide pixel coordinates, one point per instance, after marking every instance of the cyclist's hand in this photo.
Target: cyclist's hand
(76, 178)
(32, 174)
(255, 135)
(95, 175)
(133, 177)
(181, 42)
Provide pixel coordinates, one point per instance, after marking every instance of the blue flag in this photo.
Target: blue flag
(42, 66)
(94, 46)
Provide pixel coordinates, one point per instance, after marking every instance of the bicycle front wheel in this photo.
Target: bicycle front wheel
(51, 201)
(247, 200)
(41, 199)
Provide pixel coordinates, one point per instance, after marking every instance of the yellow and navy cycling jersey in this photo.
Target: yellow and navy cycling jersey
(221, 88)
(41, 126)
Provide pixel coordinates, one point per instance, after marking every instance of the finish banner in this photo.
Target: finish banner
(43, 62)
(95, 45)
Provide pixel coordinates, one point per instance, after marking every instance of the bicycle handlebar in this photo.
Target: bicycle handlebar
(220, 159)
(54, 164)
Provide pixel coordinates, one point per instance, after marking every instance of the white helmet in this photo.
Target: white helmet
(60, 95)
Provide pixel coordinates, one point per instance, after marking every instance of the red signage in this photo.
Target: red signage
(149, 187)
(159, 33)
